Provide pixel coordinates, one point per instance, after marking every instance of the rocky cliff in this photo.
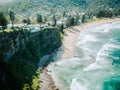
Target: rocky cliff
(20, 52)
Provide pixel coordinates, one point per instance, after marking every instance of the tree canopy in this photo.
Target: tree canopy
(3, 21)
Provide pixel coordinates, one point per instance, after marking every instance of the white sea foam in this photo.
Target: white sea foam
(93, 66)
(103, 56)
(88, 37)
(75, 59)
(107, 30)
(77, 86)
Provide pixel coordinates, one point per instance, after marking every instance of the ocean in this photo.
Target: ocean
(97, 64)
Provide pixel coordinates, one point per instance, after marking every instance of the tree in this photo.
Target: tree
(62, 28)
(39, 18)
(118, 12)
(45, 19)
(68, 23)
(27, 21)
(64, 13)
(83, 18)
(12, 17)
(77, 19)
(24, 21)
(3, 21)
(54, 20)
(104, 13)
(72, 22)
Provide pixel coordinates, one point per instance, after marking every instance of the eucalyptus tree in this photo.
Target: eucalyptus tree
(27, 21)
(3, 21)
(12, 17)
(54, 20)
(39, 18)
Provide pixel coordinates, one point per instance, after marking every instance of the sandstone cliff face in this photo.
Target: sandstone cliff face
(10, 43)
(20, 52)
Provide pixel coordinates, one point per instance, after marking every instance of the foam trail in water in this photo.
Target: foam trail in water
(77, 86)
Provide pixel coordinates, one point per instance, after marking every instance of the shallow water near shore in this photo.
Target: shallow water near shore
(97, 65)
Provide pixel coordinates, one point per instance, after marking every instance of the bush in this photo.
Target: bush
(104, 13)
(3, 21)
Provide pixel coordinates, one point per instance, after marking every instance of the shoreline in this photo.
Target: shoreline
(70, 38)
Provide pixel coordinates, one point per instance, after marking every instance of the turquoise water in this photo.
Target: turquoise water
(97, 66)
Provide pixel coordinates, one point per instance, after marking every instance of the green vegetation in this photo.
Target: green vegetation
(22, 68)
(6, 30)
(12, 17)
(54, 20)
(35, 82)
(29, 8)
(39, 18)
(27, 21)
(3, 21)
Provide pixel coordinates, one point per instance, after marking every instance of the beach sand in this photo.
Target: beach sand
(70, 38)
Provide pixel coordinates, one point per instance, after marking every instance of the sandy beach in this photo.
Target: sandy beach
(70, 38)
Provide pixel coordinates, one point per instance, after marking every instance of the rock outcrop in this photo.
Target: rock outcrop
(20, 52)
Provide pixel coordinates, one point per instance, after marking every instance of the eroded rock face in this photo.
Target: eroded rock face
(20, 52)
(10, 43)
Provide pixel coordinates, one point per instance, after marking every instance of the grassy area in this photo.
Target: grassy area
(35, 82)
(11, 30)
(6, 30)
